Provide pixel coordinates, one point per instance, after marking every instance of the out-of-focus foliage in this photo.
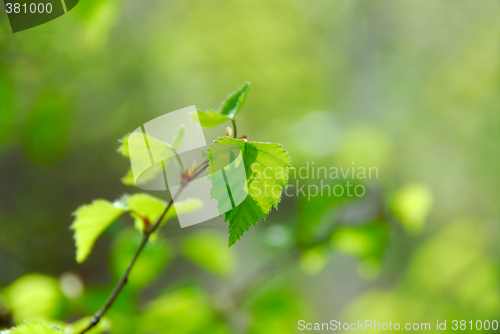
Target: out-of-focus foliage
(46, 128)
(412, 205)
(142, 161)
(209, 251)
(275, 311)
(452, 263)
(91, 220)
(185, 310)
(35, 297)
(6, 105)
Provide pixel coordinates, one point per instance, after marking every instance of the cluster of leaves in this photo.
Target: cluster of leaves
(266, 167)
(91, 220)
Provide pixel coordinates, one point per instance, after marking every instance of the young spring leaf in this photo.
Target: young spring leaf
(128, 179)
(211, 118)
(230, 107)
(266, 166)
(145, 207)
(176, 143)
(233, 103)
(143, 161)
(91, 220)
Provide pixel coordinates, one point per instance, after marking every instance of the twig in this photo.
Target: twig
(234, 127)
(97, 317)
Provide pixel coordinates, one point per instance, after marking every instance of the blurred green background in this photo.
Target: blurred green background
(409, 86)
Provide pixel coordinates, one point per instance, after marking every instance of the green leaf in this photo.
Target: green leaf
(91, 220)
(34, 329)
(211, 118)
(156, 146)
(207, 250)
(128, 179)
(203, 154)
(266, 166)
(230, 107)
(176, 143)
(146, 206)
(185, 206)
(123, 148)
(145, 209)
(234, 101)
(142, 159)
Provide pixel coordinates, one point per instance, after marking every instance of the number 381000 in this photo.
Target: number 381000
(28, 8)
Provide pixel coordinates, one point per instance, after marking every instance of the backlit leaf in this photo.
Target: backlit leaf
(178, 138)
(142, 159)
(91, 220)
(211, 118)
(145, 206)
(266, 166)
(233, 103)
(230, 107)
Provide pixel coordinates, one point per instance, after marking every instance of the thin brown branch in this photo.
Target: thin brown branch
(97, 317)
